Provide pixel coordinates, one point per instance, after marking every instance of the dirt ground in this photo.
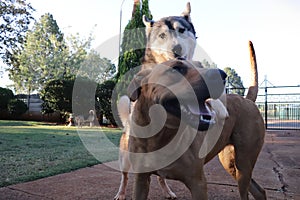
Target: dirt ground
(277, 170)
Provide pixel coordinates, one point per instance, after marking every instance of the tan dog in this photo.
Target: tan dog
(189, 128)
(167, 38)
(216, 106)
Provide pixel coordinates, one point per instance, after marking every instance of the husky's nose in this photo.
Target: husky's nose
(177, 50)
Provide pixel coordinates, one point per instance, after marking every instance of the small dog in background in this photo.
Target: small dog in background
(79, 119)
(91, 118)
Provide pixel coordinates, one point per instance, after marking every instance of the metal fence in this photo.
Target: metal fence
(279, 106)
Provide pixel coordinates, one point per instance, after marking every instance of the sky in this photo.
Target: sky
(223, 29)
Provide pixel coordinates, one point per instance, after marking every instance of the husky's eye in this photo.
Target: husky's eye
(181, 30)
(162, 35)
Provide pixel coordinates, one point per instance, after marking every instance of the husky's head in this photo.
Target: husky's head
(171, 37)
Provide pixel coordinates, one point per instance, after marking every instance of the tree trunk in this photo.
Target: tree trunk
(28, 100)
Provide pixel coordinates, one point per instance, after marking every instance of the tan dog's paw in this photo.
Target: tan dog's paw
(171, 195)
(120, 196)
(218, 107)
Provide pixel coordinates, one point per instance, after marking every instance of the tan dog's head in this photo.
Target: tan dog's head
(182, 88)
(171, 37)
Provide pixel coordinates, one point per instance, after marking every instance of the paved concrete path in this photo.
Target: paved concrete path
(277, 170)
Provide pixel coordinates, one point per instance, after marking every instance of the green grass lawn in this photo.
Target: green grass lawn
(32, 150)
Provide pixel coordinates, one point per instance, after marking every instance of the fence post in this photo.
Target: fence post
(266, 107)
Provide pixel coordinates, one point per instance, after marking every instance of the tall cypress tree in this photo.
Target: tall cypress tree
(134, 39)
(132, 49)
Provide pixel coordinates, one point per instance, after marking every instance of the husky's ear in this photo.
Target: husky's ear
(186, 13)
(148, 23)
(134, 88)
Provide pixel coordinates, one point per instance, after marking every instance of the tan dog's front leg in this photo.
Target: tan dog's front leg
(198, 190)
(122, 190)
(141, 186)
(197, 185)
(169, 194)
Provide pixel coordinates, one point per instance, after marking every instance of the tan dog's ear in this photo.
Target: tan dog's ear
(134, 88)
(186, 13)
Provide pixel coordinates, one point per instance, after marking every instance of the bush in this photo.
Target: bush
(104, 100)
(17, 107)
(5, 96)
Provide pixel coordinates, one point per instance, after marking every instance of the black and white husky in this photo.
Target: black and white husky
(169, 38)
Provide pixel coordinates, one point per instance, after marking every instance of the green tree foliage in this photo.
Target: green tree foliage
(69, 96)
(41, 57)
(103, 99)
(47, 56)
(8, 103)
(96, 68)
(15, 17)
(57, 96)
(17, 107)
(234, 82)
(83, 97)
(5, 96)
(207, 64)
(134, 40)
(132, 50)
(77, 50)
